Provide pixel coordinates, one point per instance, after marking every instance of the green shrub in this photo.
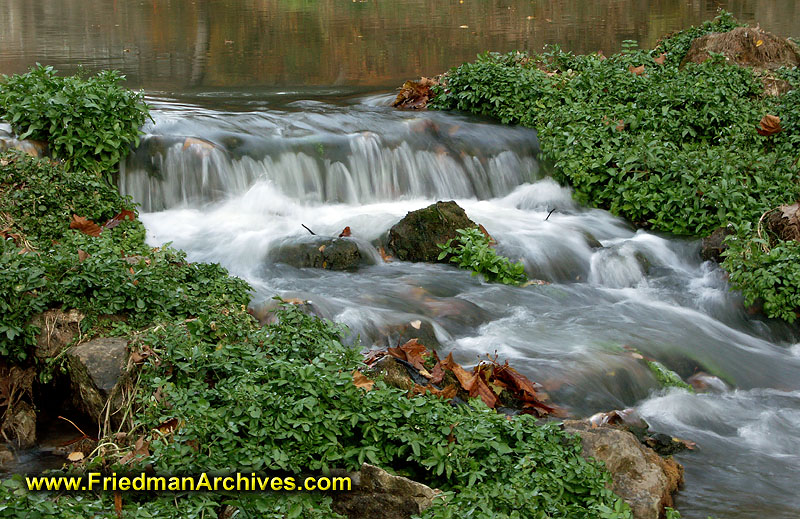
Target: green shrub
(770, 277)
(282, 398)
(671, 149)
(88, 122)
(473, 252)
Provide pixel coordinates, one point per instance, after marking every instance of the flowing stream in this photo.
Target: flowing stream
(248, 176)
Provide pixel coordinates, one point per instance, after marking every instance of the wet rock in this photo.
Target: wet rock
(58, 329)
(320, 252)
(703, 382)
(96, 370)
(264, 312)
(19, 425)
(376, 493)
(713, 245)
(8, 141)
(400, 333)
(393, 372)
(415, 237)
(6, 457)
(746, 47)
(641, 477)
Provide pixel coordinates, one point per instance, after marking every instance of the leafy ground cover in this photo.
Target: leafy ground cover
(672, 148)
(214, 391)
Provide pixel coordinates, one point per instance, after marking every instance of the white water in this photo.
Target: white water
(365, 166)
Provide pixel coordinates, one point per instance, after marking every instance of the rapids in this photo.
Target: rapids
(250, 176)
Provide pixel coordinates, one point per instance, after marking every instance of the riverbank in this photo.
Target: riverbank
(668, 143)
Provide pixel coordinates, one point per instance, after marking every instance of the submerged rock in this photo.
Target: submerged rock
(320, 252)
(645, 480)
(96, 369)
(415, 237)
(376, 493)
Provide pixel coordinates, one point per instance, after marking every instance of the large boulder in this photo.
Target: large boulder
(376, 493)
(746, 47)
(645, 480)
(415, 237)
(320, 252)
(97, 369)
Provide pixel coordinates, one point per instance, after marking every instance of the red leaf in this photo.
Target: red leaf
(345, 232)
(661, 58)
(415, 353)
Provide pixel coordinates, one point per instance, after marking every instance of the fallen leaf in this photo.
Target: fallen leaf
(415, 353)
(169, 426)
(121, 217)
(660, 59)
(345, 232)
(636, 70)
(479, 388)
(75, 456)
(85, 226)
(620, 125)
(769, 125)
(437, 373)
(83, 255)
(465, 379)
(759, 43)
(384, 256)
(416, 324)
(360, 380)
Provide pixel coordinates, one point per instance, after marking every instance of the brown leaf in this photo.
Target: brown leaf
(769, 125)
(437, 373)
(397, 353)
(83, 255)
(384, 256)
(360, 380)
(415, 353)
(465, 379)
(492, 241)
(620, 125)
(345, 232)
(85, 226)
(660, 59)
(124, 215)
(636, 70)
(600, 55)
(482, 390)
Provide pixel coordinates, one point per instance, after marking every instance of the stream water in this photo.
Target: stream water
(257, 175)
(286, 105)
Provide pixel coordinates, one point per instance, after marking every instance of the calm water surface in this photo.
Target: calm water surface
(292, 99)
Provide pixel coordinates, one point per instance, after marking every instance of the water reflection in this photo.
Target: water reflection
(174, 46)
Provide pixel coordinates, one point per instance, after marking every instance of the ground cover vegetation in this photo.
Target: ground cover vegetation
(472, 250)
(679, 148)
(214, 391)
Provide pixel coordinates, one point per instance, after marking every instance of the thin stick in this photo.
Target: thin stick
(548, 214)
(309, 230)
(75, 426)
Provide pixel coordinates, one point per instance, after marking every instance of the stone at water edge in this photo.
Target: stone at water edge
(58, 329)
(415, 237)
(96, 368)
(714, 245)
(321, 252)
(642, 478)
(20, 425)
(378, 494)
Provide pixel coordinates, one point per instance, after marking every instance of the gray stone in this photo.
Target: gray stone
(96, 368)
(714, 245)
(376, 493)
(645, 480)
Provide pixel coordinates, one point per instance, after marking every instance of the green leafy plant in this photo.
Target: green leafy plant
(670, 148)
(471, 250)
(89, 122)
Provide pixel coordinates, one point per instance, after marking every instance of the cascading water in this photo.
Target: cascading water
(244, 182)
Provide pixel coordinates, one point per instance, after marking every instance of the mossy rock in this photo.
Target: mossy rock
(416, 236)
